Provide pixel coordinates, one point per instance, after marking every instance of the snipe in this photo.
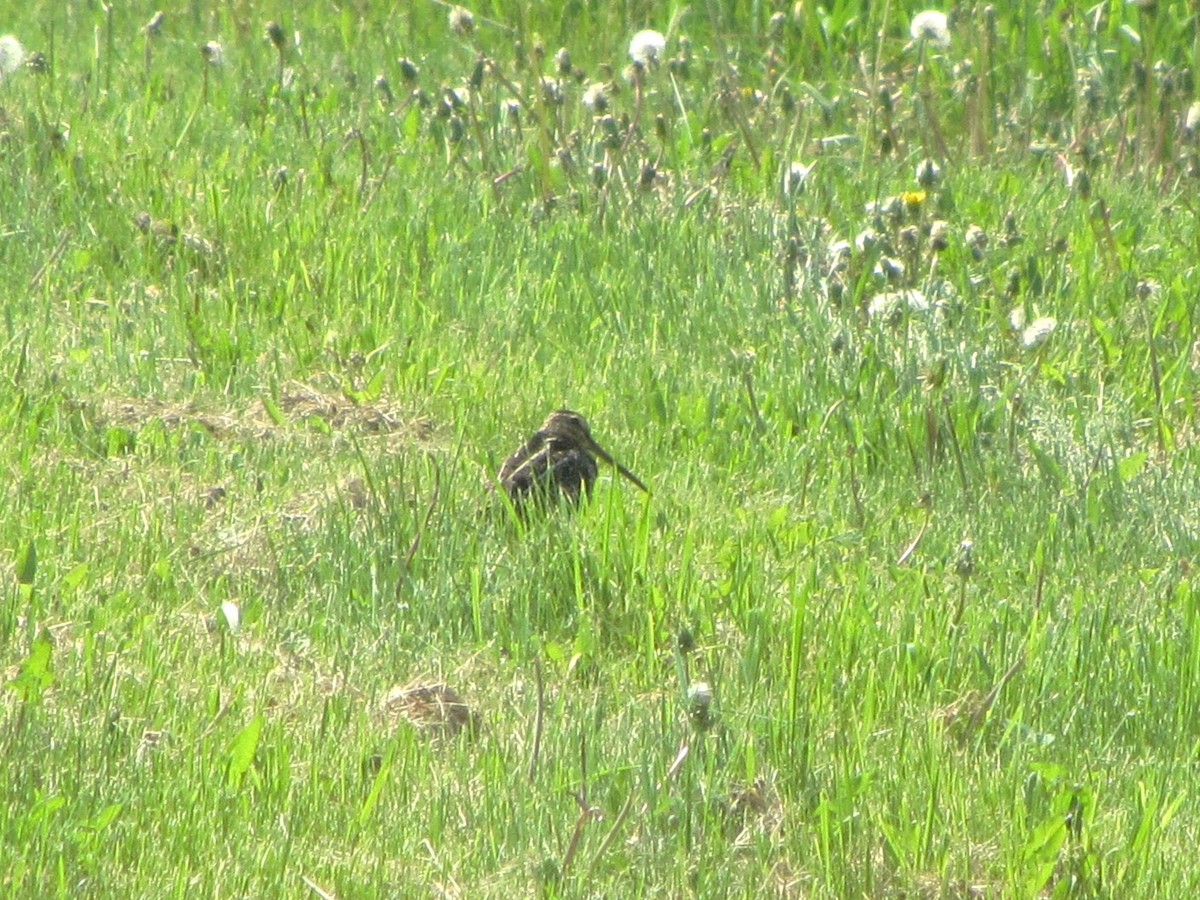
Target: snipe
(558, 461)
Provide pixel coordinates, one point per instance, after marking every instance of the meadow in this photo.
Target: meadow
(895, 313)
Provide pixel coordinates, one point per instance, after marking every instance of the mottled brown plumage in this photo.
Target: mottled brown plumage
(558, 461)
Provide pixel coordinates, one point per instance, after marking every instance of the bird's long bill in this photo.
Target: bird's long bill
(603, 454)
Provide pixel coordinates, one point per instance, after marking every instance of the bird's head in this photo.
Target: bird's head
(568, 430)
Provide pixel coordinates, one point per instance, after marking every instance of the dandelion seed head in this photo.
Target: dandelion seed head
(939, 235)
(833, 288)
(276, 35)
(1038, 332)
(408, 70)
(890, 208)
(647, 48)
(976, 238)
(929, 173)
(648, 177)
(931, 26)
(700, 698)
(552, 90)
(154, 26)
(889, 269)
(1147, 289)
(867, 240)
(700, 695)
(1083, 184)
(562, 61)
(213, 53)
(12, 55)
(893, 304)
(60, 136)
(1191, 122)
(595, 98)
(462, 21)
(838, 256)
(608, 126)
(795, 177)
(964, 565)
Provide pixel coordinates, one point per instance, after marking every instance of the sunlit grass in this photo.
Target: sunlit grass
(901, 335)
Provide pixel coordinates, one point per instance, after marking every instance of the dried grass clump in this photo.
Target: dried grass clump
(137, 412)
(752, 809)
(302, 402)
(299, 403)
(433, 708)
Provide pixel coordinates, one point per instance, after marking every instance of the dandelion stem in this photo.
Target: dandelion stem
(1160, 431)
(873, 84)
(926, 95)
(545, 135)
(480, 134)
(499, 75)
(614, 166)
(576, 836)
(108, 49)
(365, 157)
(59, 248)
(748, 380)
(983, 101)
(733, 107)
(387, 168)
(679, 104)
(961, 607)
(304, 116)
(912, 546)
(958, 454)
(539, 719)
(989, 700)
(424, 524)
(1013, 411)
(612, 832)
(860, 516)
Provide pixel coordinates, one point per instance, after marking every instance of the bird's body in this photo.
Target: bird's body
(559, 461)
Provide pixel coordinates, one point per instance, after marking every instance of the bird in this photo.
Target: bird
(559, 461)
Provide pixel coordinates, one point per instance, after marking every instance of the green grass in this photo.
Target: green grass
(291, 404)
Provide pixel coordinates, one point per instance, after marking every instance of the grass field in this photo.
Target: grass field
(898, 322)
